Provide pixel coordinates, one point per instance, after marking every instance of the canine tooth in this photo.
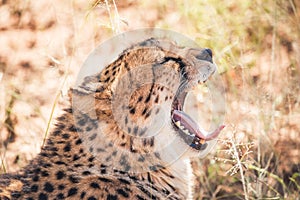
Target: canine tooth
(178, 124)
(186, 131)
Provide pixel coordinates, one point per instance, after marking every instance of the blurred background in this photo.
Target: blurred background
(256, 45)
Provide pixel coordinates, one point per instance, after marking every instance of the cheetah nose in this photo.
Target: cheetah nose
(209, 52)
(204, 54)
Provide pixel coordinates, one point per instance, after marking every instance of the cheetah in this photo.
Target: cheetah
(125, 134)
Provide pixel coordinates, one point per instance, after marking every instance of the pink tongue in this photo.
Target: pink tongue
(192, 126)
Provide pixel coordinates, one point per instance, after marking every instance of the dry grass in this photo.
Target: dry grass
(256, 46)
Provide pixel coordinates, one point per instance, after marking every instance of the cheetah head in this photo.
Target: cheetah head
(138, 100)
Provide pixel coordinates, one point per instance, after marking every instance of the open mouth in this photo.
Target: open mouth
(187, 128)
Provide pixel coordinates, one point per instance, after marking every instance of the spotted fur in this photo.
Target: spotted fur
(104, 146)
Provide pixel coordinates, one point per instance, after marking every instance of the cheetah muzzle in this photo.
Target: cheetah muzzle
(188, 129)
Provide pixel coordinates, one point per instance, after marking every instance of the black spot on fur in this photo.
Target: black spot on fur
(103, 171)
(132, 149)
(79, 141)
(35, 178)
(34, 188)
(60, 126)
(114, 67)
(57, 132)
(148, 98)
(91, 159)
(81, 122)
(107, 79)
(67, 148)
(132, 111)
(43, 196)
(104, 180)
(145, 110)
(82, 195)
(140, 198)
(143, 131)
(140, 98)
(61, 118)
(60, 163)
(66, 136)
(123, 181)
(91, 149)
(92, 137)
(100, 150)
(95, 185)
(123, 144)
(157, 155)
(44, 173)
(123, 193)
(73, 179)
(68, 110)
(148, 141)
(61, 187)
(148, 114)
(60, 196)
(60, 175)
(72, 128)
(141, 158)
(135, 130)
(124, 162)
(48, 187)
(91, 165)
(85, 173)
(156, 99)
(112, 197)
(72, 191)
(37, 170)
(157, 111)
(76, 157)
(78, 165)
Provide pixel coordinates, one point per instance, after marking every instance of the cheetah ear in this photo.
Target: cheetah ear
(82, 102)
(89, 102)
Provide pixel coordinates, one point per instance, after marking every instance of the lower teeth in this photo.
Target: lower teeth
(178, 124)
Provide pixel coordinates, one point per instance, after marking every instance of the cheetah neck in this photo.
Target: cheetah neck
(175, 177)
